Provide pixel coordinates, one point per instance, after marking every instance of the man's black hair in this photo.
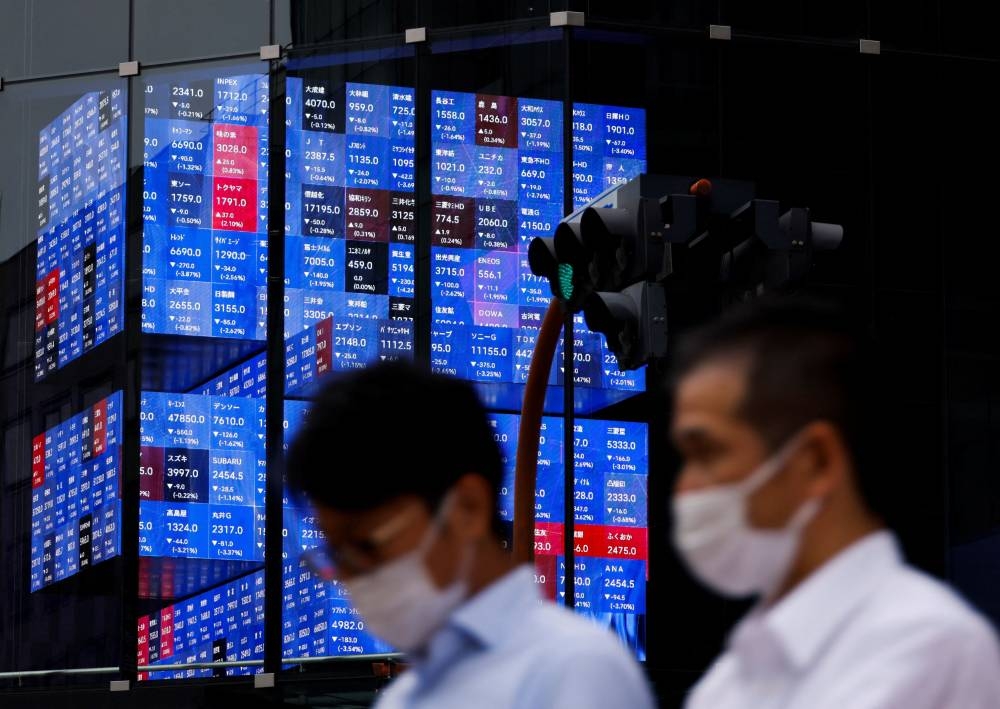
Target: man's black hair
(805, 361)
(389, 430)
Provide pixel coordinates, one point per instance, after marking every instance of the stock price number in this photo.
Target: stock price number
(185, 527)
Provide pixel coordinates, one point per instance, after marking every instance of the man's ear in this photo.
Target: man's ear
(827, 461)
(472, 507)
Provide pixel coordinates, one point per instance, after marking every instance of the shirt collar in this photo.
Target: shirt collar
(804, 621)
(484, 621)
(492, 614)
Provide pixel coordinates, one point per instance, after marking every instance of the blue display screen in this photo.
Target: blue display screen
(81, 251)
(610, 507)
(75, 500)
(223, 624)
(350, 228)
(246, 379)
(204, 212)
(183, 436)
(202, 476)
(318, 618)
(497, 183)
(611, 527)
(350, 238)
(609, 148)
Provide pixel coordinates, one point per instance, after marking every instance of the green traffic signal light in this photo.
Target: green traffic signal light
(565, 281)
(544, 262)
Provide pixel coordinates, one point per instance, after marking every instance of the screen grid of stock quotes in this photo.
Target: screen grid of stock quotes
(496, 181)
(80, 248)
(75, 493)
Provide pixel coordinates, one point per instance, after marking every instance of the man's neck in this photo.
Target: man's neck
(821, 543)
(492, 563)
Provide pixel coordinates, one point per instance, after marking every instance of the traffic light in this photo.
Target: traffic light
(617, 240)
(618, 257)
(634, 322)
(778, 249)
(597, 251)
(588, 252)
(662, 251)
(543, 262)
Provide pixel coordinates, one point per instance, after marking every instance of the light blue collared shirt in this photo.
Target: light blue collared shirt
(507, 648)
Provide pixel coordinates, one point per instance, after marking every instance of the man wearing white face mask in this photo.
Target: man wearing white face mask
(404, 475)
(772, 500)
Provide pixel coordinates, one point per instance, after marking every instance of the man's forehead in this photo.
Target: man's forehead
(715, 387)
(348, 523)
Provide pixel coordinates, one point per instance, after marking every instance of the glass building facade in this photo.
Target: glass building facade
(186, 249)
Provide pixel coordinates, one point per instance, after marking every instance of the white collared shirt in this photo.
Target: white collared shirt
(865, 631)
(505, 648)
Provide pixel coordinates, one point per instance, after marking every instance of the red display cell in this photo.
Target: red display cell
(52, 297)
(167, 632)
(38, 460)
(234, 151)
(151, 473)
(496, 121)
(142, 654)
(545, 575)
(611, 542)
(548, 538)
(453, 221)
(234, 204)
(367, 215)
(324, 346)
(99, 417)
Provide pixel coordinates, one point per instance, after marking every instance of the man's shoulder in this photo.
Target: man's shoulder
(549, 656)
(913, 602)
(574, 657)
(552, 624)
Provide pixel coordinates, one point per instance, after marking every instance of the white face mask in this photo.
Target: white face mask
(399, 600)
(715, 539)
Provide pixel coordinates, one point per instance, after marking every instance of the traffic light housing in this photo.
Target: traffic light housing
(633, 321)
(778, 249)
(674, 248)
(618, 239)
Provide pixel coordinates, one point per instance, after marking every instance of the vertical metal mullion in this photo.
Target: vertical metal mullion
(132, 387)
(274, 404)
(569, 517)
(422, 177)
